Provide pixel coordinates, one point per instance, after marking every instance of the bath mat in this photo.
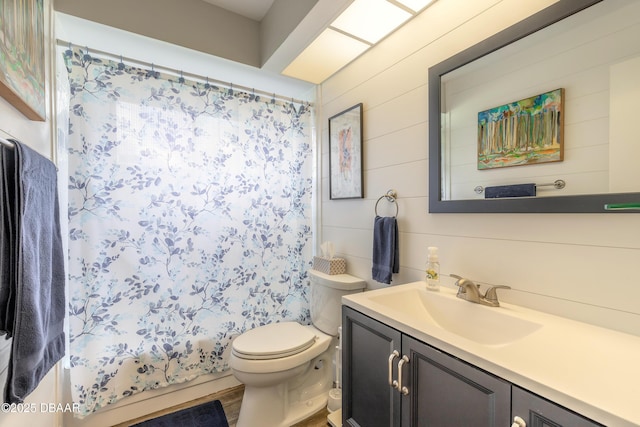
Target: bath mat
(208, 414)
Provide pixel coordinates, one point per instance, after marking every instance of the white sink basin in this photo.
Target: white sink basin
(475, 322)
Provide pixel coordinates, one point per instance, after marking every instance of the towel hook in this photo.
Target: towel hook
(391, 197)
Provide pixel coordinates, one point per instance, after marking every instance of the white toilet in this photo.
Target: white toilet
(286, 367)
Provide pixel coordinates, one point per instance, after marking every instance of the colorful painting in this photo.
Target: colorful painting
(22, 56)
(345, 154)
(523, 132)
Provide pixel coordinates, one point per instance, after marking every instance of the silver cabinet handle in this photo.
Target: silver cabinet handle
(518, 422)
(401, 389)
(392, 382)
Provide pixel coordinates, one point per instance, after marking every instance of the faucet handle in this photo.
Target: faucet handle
(492, 295)
(462, 282)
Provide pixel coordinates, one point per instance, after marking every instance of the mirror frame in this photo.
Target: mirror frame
(592, 203)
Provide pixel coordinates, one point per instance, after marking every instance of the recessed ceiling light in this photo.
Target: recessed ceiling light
(356, 29)
(415, 5)
(370, 20)
(328, 53)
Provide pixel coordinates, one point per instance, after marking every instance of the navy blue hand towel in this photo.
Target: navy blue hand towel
(386, 259)
(36, 303)
(515, 190)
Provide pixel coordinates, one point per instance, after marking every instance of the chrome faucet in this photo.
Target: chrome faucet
(467, 290)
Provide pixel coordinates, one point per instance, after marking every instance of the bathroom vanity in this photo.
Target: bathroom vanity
(413, 357)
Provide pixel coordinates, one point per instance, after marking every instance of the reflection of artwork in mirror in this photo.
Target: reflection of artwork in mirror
(522, 132)
(345, 154)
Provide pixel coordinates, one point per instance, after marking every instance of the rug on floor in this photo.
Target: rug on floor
(208, 414)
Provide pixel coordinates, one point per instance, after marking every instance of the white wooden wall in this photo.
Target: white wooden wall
(581, 266)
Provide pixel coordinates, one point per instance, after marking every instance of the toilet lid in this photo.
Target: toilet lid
(273, 341)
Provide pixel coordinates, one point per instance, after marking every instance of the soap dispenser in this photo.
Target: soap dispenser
(433, 269)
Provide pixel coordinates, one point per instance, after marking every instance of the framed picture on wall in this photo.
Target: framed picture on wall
(345, 154)
(22, 76)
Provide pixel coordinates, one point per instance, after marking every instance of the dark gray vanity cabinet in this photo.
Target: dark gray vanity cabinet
(539, 412)
(367, 398)
(431, 388)
(445, 391)
(392, 379)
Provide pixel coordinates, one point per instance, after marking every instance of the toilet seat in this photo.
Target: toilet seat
(273, 341)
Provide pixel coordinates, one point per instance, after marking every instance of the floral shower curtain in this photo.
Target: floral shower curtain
(189, 222)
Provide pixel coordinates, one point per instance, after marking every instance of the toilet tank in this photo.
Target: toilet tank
(326, 298)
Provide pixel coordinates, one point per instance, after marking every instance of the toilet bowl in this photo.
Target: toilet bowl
(287, 367)
(283, 388)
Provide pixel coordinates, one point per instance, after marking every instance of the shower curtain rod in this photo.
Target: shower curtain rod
(182, 73)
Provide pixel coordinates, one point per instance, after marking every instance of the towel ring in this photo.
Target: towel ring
(391, 198)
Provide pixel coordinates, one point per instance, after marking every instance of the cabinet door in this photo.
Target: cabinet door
(368, 400)
(539, 412)
(445, 391)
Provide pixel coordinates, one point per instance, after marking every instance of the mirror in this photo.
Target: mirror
(536, 56)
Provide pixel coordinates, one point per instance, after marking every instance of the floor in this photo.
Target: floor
(230, 399)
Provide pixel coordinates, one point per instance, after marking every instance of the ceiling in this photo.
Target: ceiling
(277, 36)
(252, 9)
(265, 34)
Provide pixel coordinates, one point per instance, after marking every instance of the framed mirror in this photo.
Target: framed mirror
(587, 50)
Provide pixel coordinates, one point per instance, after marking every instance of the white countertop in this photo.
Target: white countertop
(591, 370)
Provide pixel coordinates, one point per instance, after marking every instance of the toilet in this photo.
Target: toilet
(287, 368)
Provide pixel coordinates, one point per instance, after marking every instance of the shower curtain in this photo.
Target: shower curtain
(189, 222)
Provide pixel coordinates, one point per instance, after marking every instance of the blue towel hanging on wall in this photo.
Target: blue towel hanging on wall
(33, 277)
(386, 254)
